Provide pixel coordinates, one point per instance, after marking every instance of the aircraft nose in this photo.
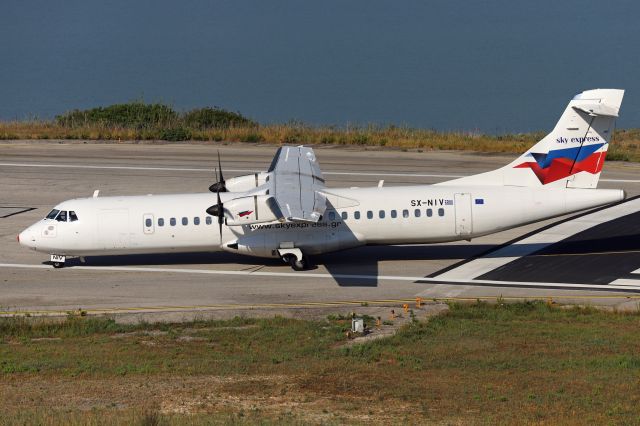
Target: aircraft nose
(27, 238)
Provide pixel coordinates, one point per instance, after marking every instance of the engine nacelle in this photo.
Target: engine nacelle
(246, 183)
(252, 245)
(252, 209)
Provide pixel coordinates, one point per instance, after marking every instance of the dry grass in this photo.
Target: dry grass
(478, 364)
(626, 145)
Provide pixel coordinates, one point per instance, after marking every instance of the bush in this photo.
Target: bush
(360, 139)
(175, 134)
(252, 137)
(130, 115)
(215, 118)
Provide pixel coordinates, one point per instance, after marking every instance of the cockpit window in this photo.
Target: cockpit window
(62, 217)
(72, 216)
(52, 214)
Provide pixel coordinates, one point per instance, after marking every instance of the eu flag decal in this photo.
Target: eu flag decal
(479, 200)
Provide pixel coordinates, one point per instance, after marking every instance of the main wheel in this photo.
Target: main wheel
(295, 263)
(58, 265)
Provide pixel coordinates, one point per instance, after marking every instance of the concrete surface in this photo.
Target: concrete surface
(35, 175)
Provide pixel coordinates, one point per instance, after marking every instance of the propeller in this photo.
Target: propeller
(218, 210)
(219, 186)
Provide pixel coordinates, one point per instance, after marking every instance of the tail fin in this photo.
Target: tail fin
(572, 155)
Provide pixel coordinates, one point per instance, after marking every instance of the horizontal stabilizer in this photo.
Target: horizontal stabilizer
(595, 110)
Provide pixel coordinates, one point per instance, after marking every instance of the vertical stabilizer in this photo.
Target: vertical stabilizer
(572, 155)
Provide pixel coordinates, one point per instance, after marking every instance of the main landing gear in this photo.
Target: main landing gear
(294, 258)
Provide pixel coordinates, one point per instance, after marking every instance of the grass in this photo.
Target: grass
(139, 121)
(478, 364)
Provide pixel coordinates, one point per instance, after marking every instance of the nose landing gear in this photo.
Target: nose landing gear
(57, 261)
(295, 259)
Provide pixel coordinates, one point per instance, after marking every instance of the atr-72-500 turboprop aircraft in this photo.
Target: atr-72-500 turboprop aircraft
(288, 212)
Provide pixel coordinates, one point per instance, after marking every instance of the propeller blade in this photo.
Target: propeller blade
(221, 215)
(218, 210)
(221, 179)
(212, 187)
(219, 186)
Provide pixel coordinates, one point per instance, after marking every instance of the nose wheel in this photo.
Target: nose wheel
(58, 261)
(295, 259)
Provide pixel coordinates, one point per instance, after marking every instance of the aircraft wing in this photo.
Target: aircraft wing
(297, 184)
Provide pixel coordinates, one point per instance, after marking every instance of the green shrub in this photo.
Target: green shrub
(618, 156)
(292, 137)
(253, 138)
(215, 118)
(175, 134)
(360, 139)
(131, 115)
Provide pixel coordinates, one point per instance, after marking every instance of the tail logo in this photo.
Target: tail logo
(562, 163)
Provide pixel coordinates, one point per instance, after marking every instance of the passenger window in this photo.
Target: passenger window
(440, 212)
(148, 223)
(72, 216)
(161, 222)
(369, 214)
(332, 216)
(381, 214)
(405, 213)
(417, 212)
(394, 214)
(356, 214)
(185, 221)
(208, 220)
(52, 214)
(172, 221)
(429, 212)
(62, 217)
(196, 221)
(345, 215)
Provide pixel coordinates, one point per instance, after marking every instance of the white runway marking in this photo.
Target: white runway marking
(314, 275)
(196, 169)
(626, 282)
(538, 241)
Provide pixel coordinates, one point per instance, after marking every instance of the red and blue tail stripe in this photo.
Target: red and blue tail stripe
(562, 163)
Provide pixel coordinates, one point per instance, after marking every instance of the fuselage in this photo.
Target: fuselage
(354, 217)
(288, 212)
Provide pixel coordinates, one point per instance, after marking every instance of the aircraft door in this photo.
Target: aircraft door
(147, 223)
(464, 215)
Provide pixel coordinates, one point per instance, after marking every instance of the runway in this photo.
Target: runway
(34, 176)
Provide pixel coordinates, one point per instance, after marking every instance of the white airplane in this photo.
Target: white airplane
(288, 212)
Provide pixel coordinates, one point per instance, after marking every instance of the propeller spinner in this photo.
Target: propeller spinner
(218, 210)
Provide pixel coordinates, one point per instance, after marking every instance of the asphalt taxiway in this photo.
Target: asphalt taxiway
(36, 175)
